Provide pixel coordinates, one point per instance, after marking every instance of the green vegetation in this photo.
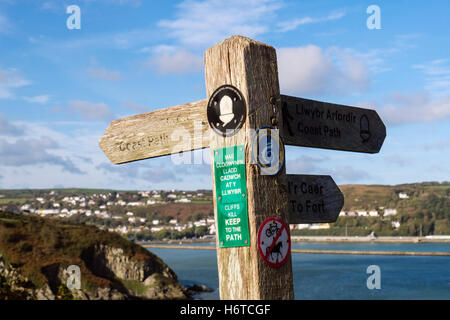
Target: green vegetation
(134, 286)
(38, 246)
(193, 232)
(426, 211)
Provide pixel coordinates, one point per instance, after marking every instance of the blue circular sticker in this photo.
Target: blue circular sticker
(268, 151)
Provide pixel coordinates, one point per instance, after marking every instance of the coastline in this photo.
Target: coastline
(356, 239)
(434, 239)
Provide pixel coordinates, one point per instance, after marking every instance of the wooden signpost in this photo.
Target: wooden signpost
(243, 96)
(313, 199)
(310, 123)
(158, 133)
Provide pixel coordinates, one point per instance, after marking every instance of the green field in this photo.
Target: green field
(14, 200)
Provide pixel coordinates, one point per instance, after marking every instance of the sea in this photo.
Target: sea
(336, 276)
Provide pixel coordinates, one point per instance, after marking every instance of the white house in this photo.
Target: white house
(155, 222)
(403, 195)
(362, 213)
(46, 212)
(41, 200)
(25, 207)
(395, 224)
(373, 213)
(183, 200)
(200, 223)
(130, 214)
(342, 214)
(390, 212)
(301, 226)
(212, 229)
(135, 204)
(320, 226)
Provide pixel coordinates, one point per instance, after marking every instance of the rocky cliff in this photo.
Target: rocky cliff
(35, 255)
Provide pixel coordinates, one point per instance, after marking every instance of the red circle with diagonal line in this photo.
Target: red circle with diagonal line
(274, 242)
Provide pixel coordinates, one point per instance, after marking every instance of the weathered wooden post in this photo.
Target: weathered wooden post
(252, 208)
(251, 67)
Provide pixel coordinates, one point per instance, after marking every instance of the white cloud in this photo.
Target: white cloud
(421, 110)
(168, 59)
(207, 22)
(399, 160)
(7, 128)
(131, 105)
(304, 164)
(318, 165)
(295, 23)
(34, 152)
(91, 111)
(137, 170)
(42, 99)
(440, 145)
(437, 74)
(5, 24)
(58, 5)
(310, 70)
(418, 107)
(11, 79)
(104, 74)
(134, 3)
(348, 174)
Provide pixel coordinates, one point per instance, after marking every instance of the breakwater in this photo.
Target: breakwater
(313, 251)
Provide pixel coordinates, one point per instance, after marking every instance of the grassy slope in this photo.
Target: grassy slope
(32, 243)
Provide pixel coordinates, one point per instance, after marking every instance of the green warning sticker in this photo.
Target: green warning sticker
(231, 193)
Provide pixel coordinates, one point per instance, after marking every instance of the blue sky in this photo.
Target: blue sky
(60, 88)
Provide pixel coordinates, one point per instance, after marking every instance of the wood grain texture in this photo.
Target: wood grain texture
(176, 129)
(313, 199)
(310, 123)
(251, 67)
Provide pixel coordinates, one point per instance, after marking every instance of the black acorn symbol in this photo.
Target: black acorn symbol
(364, 128)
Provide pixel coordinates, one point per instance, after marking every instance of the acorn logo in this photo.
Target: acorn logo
(364, 128)
(226, 111)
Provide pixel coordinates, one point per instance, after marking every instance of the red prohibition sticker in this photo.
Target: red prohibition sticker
(274, 242)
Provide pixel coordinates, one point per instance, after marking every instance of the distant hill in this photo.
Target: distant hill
(422, 208)
(374, 196)
(36, 252)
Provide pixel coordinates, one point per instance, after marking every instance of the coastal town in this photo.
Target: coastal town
(127, 213)
(143, 215)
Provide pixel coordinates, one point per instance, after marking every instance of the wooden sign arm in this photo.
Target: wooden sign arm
(167, 131)
(306, 123)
